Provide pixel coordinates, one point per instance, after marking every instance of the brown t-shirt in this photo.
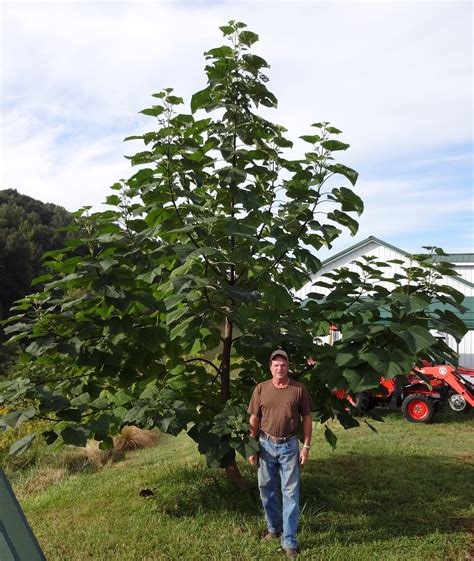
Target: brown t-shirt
(280, 409)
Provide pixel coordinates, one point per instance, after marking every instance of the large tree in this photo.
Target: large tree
(164, 309)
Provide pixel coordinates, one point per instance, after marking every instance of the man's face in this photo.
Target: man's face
(279, 368)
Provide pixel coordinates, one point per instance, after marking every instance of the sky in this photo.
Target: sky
(396, 77)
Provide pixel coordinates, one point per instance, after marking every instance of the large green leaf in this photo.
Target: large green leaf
(152, 337)
(417, 338)
(17, 417)
(21, 445)
(412, 302)
(278, 297)
(348, 199)
(345, 220)
(154, 111)
(220, 52)
(330, 437)
(361, 379)
(69, 414)
(347, 172)
(175, 315)
(448, 322)
(388, 363)
(347, 420)
(246, 447)
(77, 436)
(41, 279)
(201, 99)
(248, 37)
(215, 448)
(180, 329)
(333, 145)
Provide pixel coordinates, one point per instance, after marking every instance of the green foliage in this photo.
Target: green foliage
(167, 305)
(28, 228)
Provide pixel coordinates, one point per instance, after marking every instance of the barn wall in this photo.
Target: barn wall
(465, 349)
(466, 270)
(383, 253)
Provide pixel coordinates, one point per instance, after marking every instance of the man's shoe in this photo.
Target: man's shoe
(270, 536)
(290, 551)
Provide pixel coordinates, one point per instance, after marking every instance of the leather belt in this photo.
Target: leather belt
(277, 439)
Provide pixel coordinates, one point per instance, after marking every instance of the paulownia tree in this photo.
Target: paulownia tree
(162, 311)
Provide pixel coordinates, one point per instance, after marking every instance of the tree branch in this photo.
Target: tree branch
(204, 360)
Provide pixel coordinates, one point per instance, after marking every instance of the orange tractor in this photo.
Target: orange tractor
(421, 392)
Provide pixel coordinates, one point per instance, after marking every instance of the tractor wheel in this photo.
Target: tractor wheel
(457, 402)
(363, 401)
(418, 408)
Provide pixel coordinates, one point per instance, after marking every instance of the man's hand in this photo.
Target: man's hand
(304, 455)
(253, 459)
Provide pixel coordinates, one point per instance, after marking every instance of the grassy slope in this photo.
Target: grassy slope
(400, 495)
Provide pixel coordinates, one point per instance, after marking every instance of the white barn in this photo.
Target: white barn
(463, 264)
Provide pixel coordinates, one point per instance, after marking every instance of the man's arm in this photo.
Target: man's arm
(254, 428)
(307, 432)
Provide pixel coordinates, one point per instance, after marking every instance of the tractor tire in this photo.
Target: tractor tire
(363, 401)
(417, 408)
(457, 403)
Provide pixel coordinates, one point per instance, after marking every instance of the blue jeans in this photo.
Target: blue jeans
(280, 459)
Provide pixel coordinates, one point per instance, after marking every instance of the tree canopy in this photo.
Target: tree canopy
(162, 311)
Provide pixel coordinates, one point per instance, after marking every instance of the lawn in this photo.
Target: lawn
(403, 494)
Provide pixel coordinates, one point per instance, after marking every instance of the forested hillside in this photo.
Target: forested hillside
(28, 228)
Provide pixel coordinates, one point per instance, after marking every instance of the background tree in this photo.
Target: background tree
(28, 228)
(171, 302)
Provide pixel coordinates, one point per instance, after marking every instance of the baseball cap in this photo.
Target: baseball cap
(279, 352)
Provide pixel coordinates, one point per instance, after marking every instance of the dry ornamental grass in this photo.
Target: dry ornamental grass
(91, 457)
(133, 438)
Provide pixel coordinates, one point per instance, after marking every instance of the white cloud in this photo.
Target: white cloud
(414, 211)
(72, 176)
(412, 204)
(395, 76)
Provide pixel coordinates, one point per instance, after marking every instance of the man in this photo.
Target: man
(275, 410)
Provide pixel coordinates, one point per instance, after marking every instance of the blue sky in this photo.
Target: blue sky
(396, 77)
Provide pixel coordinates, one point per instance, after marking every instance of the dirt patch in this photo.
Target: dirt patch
(466, 457)
(467, 523)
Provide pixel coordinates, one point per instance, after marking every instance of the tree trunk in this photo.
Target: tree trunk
(233, 473)
(225, 369)
(232, 469)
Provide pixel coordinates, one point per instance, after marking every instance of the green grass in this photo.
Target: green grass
(402, 494)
